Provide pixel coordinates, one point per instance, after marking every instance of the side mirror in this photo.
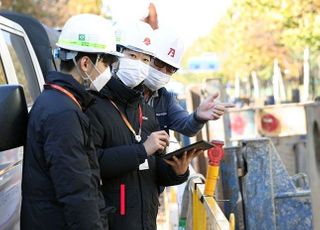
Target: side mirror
(13, 117)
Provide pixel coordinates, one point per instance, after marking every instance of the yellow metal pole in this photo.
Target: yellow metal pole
(195, 209)
(232, 222)
(211, 180)
(215, 155)
(199, 212)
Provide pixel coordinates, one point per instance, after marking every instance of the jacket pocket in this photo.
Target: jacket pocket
(47, 215)
(108, 217)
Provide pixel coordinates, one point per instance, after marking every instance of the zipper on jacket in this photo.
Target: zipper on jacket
(141, 198)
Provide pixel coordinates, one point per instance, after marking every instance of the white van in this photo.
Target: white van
(21, 81)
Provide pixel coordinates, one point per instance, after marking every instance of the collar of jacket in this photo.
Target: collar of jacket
(73, 86)
(161, 91)
(116, 90)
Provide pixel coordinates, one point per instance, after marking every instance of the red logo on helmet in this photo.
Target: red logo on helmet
(172, 52)
(147, 41)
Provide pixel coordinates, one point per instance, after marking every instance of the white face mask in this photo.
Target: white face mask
(156, 79)
(132, 72)
(103, 78)
(100, 80)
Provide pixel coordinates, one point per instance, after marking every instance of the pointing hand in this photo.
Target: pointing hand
(211, 109)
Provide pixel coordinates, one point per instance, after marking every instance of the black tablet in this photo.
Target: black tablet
(200, 145)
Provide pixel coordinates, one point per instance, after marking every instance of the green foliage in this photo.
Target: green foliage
(186, 77)
(255, 32)
(53, 12)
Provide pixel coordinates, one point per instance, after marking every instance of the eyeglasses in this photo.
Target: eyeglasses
(160, 64)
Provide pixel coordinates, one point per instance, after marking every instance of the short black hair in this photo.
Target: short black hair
(67, 66)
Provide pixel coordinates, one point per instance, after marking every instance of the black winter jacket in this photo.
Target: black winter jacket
(120, 161)
(61, 176)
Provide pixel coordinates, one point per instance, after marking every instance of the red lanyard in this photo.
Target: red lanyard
(124, 118)
(66, 92)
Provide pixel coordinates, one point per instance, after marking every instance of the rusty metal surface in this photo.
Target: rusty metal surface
(230, 185)
(271, 199)
(313, 158)
(257, 187)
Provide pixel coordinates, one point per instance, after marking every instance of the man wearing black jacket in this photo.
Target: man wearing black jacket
(126, 132)
(61, 176)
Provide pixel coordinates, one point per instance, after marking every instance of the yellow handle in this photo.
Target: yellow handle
(232, 222)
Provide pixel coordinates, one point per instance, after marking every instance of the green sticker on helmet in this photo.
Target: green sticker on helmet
(82, 37)
(82, 43)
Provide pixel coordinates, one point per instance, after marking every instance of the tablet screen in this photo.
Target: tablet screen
(200, 145)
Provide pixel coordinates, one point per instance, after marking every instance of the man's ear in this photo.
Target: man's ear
(84, 63)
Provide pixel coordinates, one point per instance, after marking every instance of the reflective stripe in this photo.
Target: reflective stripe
(122, 199)
(81, 43)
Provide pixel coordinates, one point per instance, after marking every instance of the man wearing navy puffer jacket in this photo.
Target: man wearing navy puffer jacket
(61, 176)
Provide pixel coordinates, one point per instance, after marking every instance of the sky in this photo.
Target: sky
(191, 19)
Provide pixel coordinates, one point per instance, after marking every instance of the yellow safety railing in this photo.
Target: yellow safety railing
(232, 222)
(206, 213)
(205, 210)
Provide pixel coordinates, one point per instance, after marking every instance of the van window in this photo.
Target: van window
(23, 65)
(3, 79)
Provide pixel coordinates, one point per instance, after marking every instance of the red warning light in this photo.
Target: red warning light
(269, 123)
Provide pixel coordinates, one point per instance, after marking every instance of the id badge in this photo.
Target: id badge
(144, 165)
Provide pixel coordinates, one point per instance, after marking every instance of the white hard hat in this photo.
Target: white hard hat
(88, 33)
(137, 36)
(168, 47)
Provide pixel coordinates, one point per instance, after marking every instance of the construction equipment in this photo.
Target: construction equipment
(199, 209)
(313, 158)
(260, 192)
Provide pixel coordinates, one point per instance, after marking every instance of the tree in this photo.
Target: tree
(255, 32)
(53, 12)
